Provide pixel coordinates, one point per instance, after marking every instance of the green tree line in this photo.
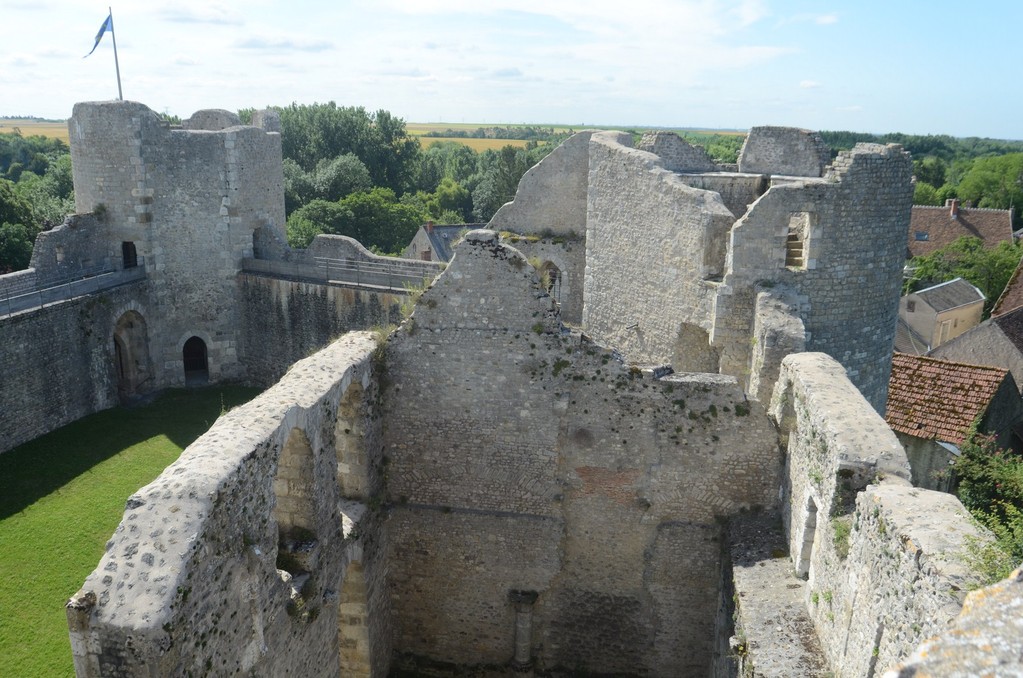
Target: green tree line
(36, 192)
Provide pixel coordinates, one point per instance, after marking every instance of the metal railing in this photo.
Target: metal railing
(394, 276)
(83, 281)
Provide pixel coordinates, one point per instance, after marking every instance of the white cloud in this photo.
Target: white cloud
(809, 84)
(826, 19)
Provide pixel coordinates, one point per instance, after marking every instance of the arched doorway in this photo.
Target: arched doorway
(131, 355)
(193, 355)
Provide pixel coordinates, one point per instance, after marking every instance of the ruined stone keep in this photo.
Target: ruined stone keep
(485, 488)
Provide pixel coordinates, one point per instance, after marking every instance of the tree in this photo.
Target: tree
(989, 269)
(930, 170)
(989, 482)
(17, 229)
(375, 218)
(312, 134)
(346, 174)
(925, 194)
(995, 182)
(15, 247)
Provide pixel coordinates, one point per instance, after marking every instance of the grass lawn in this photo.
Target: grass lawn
(62, 496)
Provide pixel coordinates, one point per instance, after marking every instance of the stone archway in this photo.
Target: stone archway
(131, 355)
(196, 363)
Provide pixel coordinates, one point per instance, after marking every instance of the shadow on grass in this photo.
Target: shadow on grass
(37, 468)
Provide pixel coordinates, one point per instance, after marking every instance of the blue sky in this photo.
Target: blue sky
(916, 67)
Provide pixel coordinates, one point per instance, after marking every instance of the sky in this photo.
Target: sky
(912, 66)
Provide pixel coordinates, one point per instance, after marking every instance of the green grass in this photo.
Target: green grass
(62, 496)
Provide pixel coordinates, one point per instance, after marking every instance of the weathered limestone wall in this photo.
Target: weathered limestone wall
(850, 270)
(248, 554)
(737, 191)
(653, 247)
(884, 561)
(784, 150)
(283, 321)
(58, 363)
(986, 638)
(67, 251)
(524, 459)
(678, 154)
(190, 200)
(568, 255)
(551, 196)
(777, 332)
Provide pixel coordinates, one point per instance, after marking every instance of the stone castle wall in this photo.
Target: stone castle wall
(524, 459)
(283, 321)
(194, 581)
(886, 563)
(58, 364)
(653, 244)
(190, 200)
(784, 150)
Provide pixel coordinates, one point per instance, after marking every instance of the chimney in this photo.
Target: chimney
(953, 207)
(429, 227)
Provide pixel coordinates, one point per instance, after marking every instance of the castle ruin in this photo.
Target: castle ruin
(485, 489)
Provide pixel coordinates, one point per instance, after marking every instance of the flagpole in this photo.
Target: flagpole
(113, 36)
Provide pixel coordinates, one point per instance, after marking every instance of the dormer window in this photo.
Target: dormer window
(922, 236)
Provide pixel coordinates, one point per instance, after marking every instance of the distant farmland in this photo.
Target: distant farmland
(29, 128)
(477, 145)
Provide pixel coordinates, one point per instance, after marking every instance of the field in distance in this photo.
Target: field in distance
(58, 129)
(44, 128)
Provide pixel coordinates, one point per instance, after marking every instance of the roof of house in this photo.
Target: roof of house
(950, 294)
(932, 228)
(907, 340)
(939, 399)
(1011, 325)
(1012, 296)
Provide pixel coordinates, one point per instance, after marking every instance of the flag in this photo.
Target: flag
(108, 25)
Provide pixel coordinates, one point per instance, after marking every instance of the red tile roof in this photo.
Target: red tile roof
(939, 399)
(1012, 296)
(940, 228)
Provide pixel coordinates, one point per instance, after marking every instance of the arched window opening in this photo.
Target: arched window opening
(129, 255)
(193, 356)
(550, 276)
(350, 445)
(295, 512)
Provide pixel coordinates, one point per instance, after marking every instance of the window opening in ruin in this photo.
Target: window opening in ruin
(910, 306)
(809, 536)
(353, 623)
(796, 241)
(193, 355)
(550, 276)
(129, 255)
(295, 512)
(349, 444)
(59, 252)
(426, 255)
(131, 355)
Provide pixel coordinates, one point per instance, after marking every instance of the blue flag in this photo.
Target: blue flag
(108, 25)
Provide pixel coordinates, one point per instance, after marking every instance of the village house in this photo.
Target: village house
(932, 316)
(933, 405)
(931, 228)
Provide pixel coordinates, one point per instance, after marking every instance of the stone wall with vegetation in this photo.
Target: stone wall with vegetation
(254, 552)
(525, 458)
(886, 564)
